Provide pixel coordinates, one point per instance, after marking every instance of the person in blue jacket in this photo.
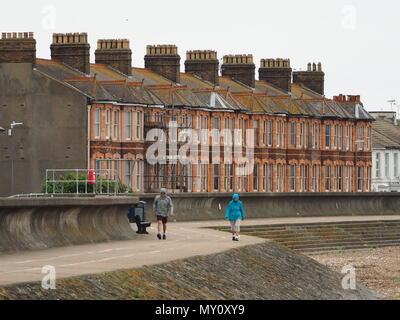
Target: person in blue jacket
(235, 213)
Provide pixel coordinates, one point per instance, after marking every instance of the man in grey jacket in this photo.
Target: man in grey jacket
(162, 208)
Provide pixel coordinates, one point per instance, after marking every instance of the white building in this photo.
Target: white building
(386, 152)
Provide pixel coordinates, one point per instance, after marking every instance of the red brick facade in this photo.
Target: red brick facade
(310, 155)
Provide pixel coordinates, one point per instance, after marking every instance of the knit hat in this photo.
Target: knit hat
(235, 196)
(163, 190)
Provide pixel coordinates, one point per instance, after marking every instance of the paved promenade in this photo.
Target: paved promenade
(185, 239)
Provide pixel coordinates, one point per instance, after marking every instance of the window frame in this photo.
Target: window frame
(328, 136)
(292, 168)
(255, 177)
(116, 124)
(328, 187)
(108, 123)
(139, 125)
(360, 178)
(293, 128)
(128, 125)
(97, 123)
(378, 171)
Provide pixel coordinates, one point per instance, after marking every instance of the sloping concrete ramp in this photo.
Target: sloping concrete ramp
(40, 223)
(263, 271)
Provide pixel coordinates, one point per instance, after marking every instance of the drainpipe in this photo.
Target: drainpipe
(88, 136)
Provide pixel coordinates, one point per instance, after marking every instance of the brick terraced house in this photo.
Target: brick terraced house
(77, 114)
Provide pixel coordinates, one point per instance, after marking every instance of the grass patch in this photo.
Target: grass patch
(137, 295)
(219, 228)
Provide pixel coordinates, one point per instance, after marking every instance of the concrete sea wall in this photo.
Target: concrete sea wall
(208, 206)
(39, 223)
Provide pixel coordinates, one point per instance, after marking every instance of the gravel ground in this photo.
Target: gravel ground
(378, 269)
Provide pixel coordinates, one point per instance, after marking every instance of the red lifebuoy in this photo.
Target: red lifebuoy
(92, 177)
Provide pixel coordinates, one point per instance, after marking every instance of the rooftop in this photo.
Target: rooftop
(385, 134)
(147, 87)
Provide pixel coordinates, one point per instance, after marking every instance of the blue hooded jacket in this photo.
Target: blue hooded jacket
(234, 210)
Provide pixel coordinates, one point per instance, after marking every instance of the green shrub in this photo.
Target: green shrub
(70, 185)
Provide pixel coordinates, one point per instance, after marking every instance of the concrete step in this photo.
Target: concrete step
(325, 229)
(326, 237)
(289, 237)
(340, 245)
(344, 248)
(389, 224)
(340, 239)
(309, 233)
(395, 223)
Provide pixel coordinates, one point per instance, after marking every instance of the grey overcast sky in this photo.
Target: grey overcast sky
(357, 41)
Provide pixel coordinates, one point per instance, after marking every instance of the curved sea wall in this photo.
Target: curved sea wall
(207, 206)
(39, 223)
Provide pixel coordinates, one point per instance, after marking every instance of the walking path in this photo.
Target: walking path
(185, 239)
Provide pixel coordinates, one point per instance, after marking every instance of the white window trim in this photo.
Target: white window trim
(97, 123)
(128, 124)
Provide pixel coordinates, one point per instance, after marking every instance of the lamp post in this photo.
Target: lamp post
(9, 133)
(392, 103)
(12, 125)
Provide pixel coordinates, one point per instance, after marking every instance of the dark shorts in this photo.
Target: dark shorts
(163, 219)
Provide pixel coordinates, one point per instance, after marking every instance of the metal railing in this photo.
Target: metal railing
(77, 181)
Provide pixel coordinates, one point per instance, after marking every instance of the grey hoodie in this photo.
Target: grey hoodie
(162, 206)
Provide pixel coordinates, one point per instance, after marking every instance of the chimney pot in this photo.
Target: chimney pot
(203, 63)
(240, 67)
(18, 47)
(311, 78)
(72, 49)
(277, 72)
(164, 60)
(116, 53)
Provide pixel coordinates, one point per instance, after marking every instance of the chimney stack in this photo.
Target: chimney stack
(203, 63)
(276, 72)
(18, 47)
(164, 60)
(339, 98)
(313, 78)
(115, 53)
(348, 98)
(241, 68)
(72, 49)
